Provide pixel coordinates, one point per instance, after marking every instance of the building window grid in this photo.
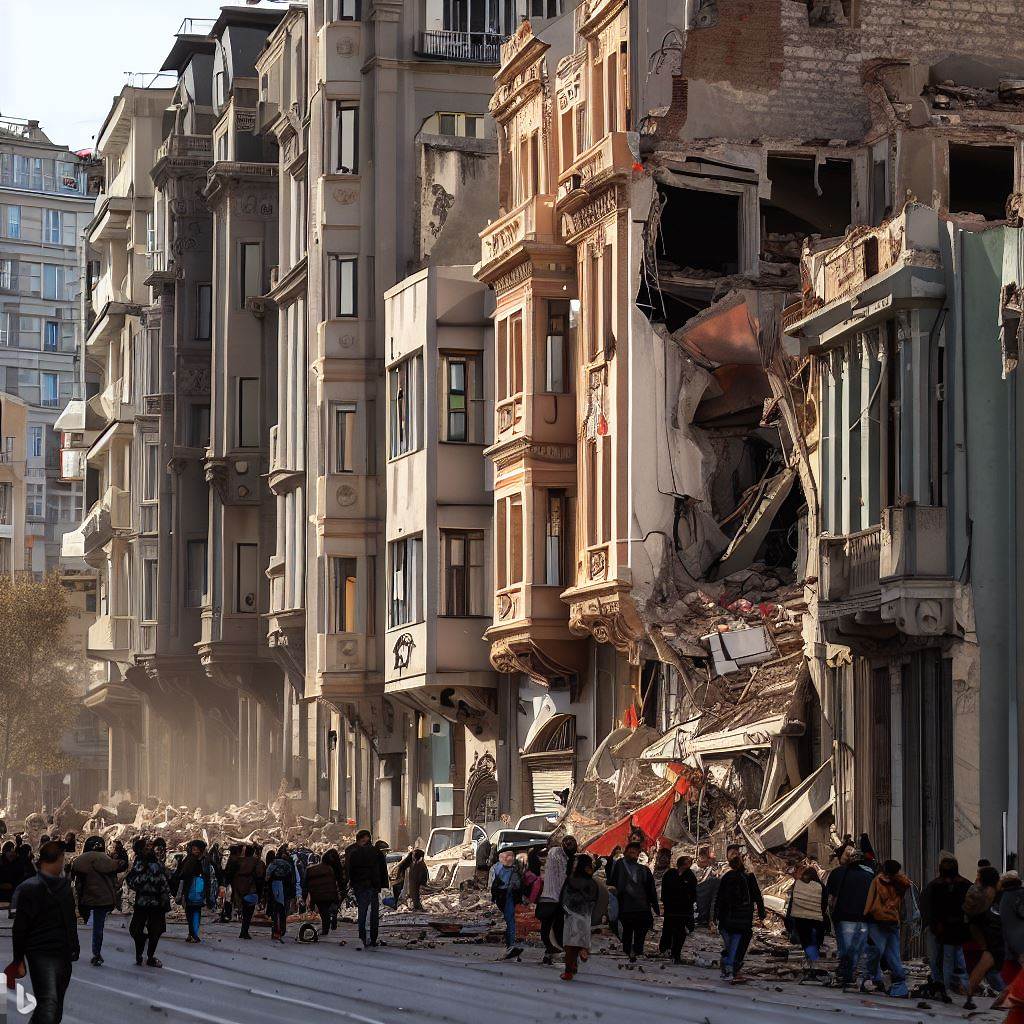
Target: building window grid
(343, 422)
(462, 573)
(404, 595)
(405, 387)
(343, 599)
(462, 398)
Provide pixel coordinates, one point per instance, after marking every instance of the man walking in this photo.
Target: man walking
(733, 912)
(97, 886)
(549, 910)
(678, 896)
(416, 878)
(45, 933)
(847, 890)
(883, 911)
(506, 885)
(367, 874)
(638, 900)
(942, 908)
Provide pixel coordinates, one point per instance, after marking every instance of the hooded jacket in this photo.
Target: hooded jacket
(367, 867)
(679, 894)
(95, 877)
(321, 885)
(1011, 917)
(247, 877)
(884, 904)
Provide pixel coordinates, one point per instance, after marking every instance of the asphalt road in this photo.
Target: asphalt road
(227, 981)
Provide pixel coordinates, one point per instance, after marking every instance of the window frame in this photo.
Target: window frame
(338, 263)
(405, 557)
(204, 318)
(244, 386)
(342, 606)
(255, 549)
(463, 587)
(344, 431)
(245, 262)
(405, 407)
(150, 590)
(346, 136)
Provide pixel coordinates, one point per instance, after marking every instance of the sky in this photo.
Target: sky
(63, 61)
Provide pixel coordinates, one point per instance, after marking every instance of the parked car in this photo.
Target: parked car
(455, 855)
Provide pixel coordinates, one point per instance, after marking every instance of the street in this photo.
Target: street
(227, 981)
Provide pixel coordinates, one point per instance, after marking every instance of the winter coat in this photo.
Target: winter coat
(983, 920)
(280, 883)
(556, 869)
(96, 879)
(148, 880)
(190, 868)
(807, 901)
(884, 904)
(1011, 916)
(367, 867)
(45, 922)
(503, 887)
(321, 885)
(534, 886)
(679, 894)
(847, 888)
(247, 877)
(942, 909)
(416, 877)
(738, 894)
(634, 897)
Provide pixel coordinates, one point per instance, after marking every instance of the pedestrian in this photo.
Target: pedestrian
(733, 913)
(367, 875)
(806, 914)
(45, 934)
(196, 886)
(12, 872)
(247, 886)
(96, 885)
(580, 900)
(416, 878)
(400, 872)
(883, 911)
(549, 909)
(230, 866)
(23, 853)
(678, 898)
(148, 881)
(506, 884)
(637, 897)
(333, 859)
(322, 891)
(981, 911)
(708, 876)
(1011, 914)
(942, 910)
(119, 853)
(281, 890)
(847, 889)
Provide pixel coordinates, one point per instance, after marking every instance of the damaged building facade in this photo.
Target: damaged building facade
(736, 508)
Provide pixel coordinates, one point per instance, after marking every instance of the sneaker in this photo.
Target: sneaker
(739, 979)
(97, 961)
(567, 976)
(513, 952)
(138, 961)
(546, 960)
(970, 1004)
(153, 962)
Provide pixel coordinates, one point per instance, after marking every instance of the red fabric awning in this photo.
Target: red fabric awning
(651, 819)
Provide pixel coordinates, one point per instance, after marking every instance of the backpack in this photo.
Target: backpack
(196, 890)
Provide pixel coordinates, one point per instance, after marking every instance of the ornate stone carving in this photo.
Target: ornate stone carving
(598, 564)
(346, 496)
(609, 619)
(604, 205)
(345, 196)
(515, 277)
(194, 378)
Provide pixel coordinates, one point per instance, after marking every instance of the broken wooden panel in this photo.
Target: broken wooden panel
(789, 816)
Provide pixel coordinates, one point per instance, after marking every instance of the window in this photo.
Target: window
(345, 10)
(248, 412)
(344, 281)
(980, 179)
(195, 573)
(5, 328)
(462, 572)
(13, 228)
(510, 355)
(6, 274)
(151, 471)
(35, 442)
(509, 523)
(51, 340)
(149, 591)
(344, 439)
(222, 147)
(343, 577)
(203, 311)
(34, 498)
(405, 384)
(556, 348)
(28, 332)
(21, 171)
(462, 415)
(250, 271)
(50, 386)
(347, 144)
(470, 126)
(405, 573)
(199, 426)
(557, 550)
(34, 272)
(220, 87)
(51, 227)
(246, 578)
(58, 282)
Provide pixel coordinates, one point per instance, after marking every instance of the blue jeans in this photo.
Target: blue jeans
(734, 949)
(884, 948)
(510, 922)
(193, 915)
(50, 976)
(99, 919)
(947, 964)
(851, 937)
(368, 901)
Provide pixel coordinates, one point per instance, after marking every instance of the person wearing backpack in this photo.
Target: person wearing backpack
(507, 886)
(637, 897)
(280, 891)
(883, 911)
(678, 897)
(247, 887)
(733, 912)
(196, 885)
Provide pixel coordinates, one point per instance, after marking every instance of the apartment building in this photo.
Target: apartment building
(44, 205)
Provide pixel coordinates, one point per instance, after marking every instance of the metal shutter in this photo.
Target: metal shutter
(546, 782)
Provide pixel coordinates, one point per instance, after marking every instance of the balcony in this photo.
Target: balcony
(608, 160)
(111, 514)
(532, 221)
(72, 463)
(109, 638)
(473, 47)
(850, 567)
(108, 406)
(198, 146)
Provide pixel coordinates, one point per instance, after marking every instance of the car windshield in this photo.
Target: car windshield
(444, 839)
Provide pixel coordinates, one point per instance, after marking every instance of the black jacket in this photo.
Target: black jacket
(738, 894)
(45, 922)
(942, 909)
(679, 894)
(367, 868)
(148, 880)
(847, 890)
(638, 897)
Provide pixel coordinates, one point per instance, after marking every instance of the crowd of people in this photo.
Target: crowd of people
(973, 932)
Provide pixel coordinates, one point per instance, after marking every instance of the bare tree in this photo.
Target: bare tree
(38, 668)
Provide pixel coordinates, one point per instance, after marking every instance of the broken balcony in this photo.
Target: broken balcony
(111, 514)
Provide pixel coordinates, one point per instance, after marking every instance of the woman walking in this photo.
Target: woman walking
(805, 917)
(96, 886)
(196, 884)
(322, 891)
(280, 892)
(148, 881)
(584, 901)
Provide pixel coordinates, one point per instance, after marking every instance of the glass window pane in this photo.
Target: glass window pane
(249, 412)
